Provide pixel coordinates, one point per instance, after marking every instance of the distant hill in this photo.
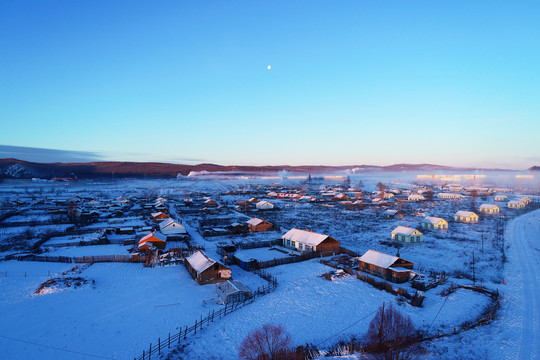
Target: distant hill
(19, 169)
(534, 168)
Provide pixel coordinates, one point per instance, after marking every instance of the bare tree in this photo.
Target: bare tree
(382, 189)
(269, 342)
(391, 335)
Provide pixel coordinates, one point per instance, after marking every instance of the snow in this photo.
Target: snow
(304, 237)
(92, 250)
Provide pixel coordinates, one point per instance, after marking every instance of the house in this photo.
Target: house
(501, 198)
(466, 217)
(210, 203)
(256, 224)
(416, 197)
(444, 195)
(516, 204)
(154, 239)
(407, 234)
(162, 208)
(340, 197)
(308, 241)
(264, 205)
(170, 227)
(237, 228)
(231, 291)
(205, 270)
(431, 222)
(158, 216)
(393, 214)
(489, 209)
(391, 268)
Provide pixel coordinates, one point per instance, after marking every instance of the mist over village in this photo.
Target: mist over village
(269, 180)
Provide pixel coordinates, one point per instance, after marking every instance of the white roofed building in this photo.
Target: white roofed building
(256, 224)
(407, 234)
(466, 217)
(309, 241)
(489, 209)
(431, 222)
(169, 227)
(264, 205)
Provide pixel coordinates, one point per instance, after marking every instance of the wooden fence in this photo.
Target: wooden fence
(203, 322)
(109, 258)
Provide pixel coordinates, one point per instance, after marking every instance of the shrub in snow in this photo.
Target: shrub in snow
(391, 335)
(266, 343)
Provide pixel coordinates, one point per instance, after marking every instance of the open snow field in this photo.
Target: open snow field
(128, 307)
(322, 312)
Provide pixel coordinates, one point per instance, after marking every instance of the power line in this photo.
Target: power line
(55, 348)
(339, 332)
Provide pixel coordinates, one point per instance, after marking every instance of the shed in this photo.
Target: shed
(231, 291)
(153, 239)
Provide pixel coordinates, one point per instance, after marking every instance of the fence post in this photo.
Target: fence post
(195, 327)
(201, 322)
(143, 357)
(150, 352)
(213, 310)
(169, 340)
(179, 334)
(185, 333)
(159, 346)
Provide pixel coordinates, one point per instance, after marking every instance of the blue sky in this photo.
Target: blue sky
(352, 82)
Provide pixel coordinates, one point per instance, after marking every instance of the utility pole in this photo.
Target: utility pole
(482, 241)
(473, 275)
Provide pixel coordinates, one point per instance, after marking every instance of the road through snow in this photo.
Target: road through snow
(524, 236)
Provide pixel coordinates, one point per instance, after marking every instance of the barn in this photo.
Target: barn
(391, 268)
(308, 241)
(256, 224)
(205, 270)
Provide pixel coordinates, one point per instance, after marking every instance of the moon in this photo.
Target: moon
(268, 67)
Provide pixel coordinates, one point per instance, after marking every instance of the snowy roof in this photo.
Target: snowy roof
(171, 225)
(156, 235)
(488, 206)
(264, 203)
(305, 237)
(199, 261)
(432, 220)
(403, 230)
(464, 213)
(379, 259)
(391, 212)
(255, 221)
(159, 213)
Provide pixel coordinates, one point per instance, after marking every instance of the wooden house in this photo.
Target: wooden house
(431, 222)
(232, 291)
(391, 268)
(210, 203)
(162, 208)
(159, 216)
(256, 224)
(466, 217)
(237, 228)
(205, 270)
(264, 205)
(154, 239)
(516, 204)
(308, 241)
(501, 198)
(393, 214)
(489, 209)
(407, 234)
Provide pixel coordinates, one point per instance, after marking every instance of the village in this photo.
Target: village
(163, 266)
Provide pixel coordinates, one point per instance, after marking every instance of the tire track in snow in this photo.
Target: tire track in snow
(520, 231)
